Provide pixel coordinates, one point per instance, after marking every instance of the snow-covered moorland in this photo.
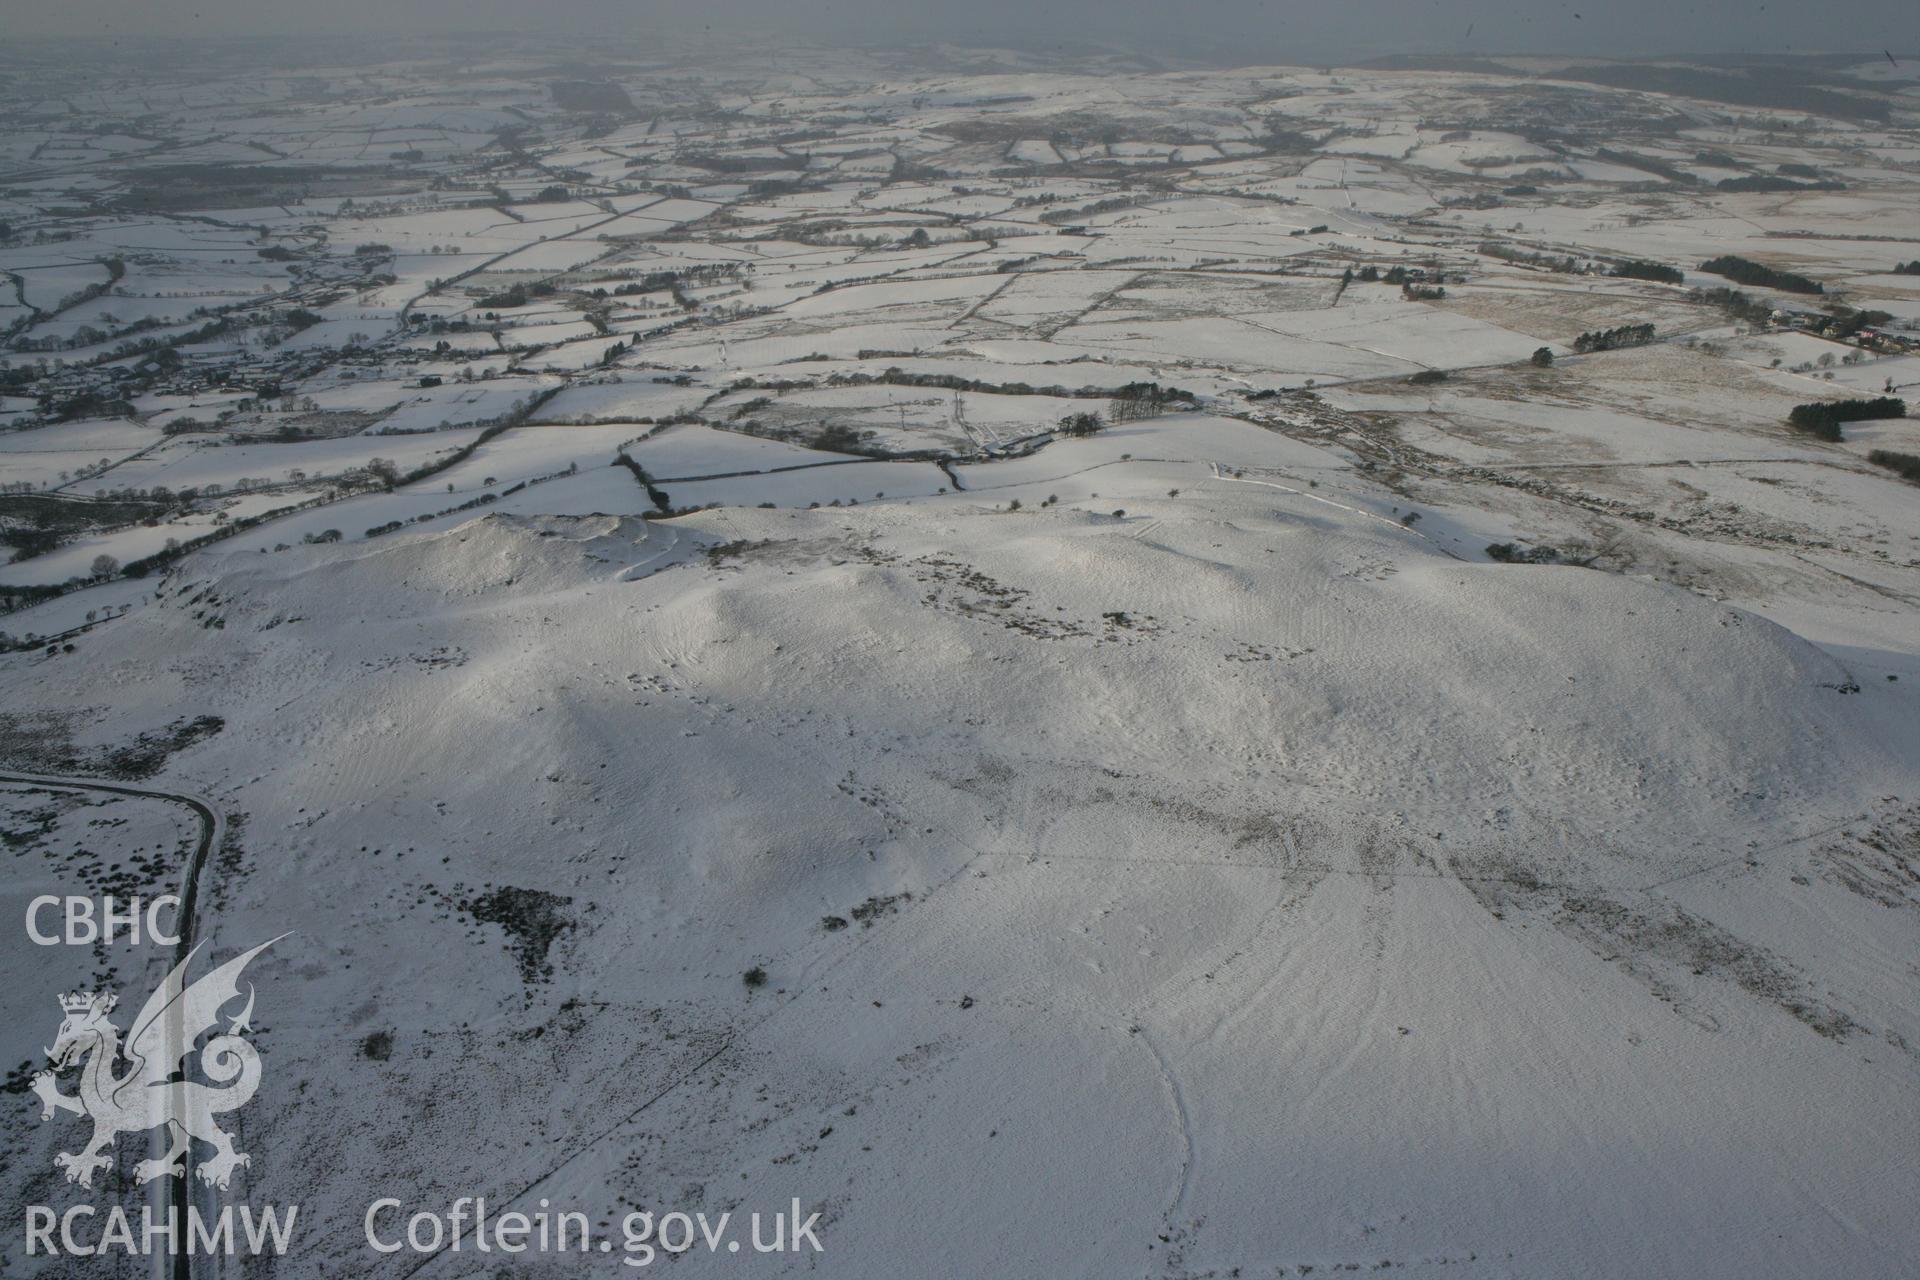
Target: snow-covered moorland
(1082, 670)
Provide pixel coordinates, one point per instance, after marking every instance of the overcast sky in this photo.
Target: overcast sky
(1263, 28)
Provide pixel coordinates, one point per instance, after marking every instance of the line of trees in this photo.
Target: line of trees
(1636, 269)
(1138, 400)
(1824, 418)
(1565, 264)
(1906, 465)
(1741, 307)
(895, 376)
(1626, 335)
(1772, 182)
(482, 500)
(1746, 271)
(655, 494)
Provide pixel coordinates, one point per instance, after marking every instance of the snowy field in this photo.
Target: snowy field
(1083, 670)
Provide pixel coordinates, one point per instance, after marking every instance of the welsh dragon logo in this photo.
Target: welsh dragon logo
(153, 1090)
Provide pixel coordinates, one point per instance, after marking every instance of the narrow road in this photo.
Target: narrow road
(212, 828)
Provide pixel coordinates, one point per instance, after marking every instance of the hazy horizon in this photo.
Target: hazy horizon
(1250, 29)
(862, 641)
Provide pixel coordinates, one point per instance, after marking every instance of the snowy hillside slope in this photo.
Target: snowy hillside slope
(1087, 666)
(1238, 883)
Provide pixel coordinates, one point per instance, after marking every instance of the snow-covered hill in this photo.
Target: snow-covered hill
(1085, 665)
(1239, 883)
